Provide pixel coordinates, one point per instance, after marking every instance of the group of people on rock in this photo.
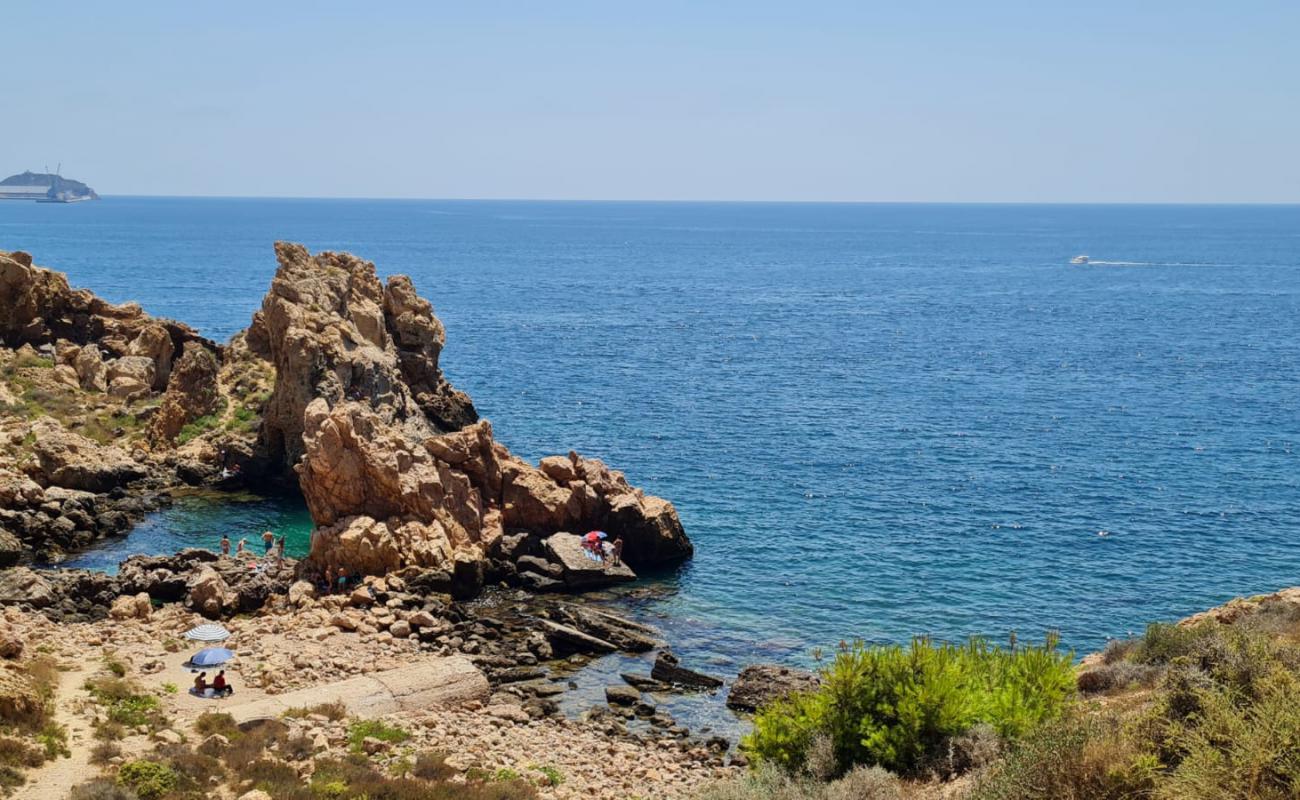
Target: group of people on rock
(219, 686)
(602, 551)
(338, 579)
(272, 546)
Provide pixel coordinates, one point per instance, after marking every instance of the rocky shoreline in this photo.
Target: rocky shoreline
(334, 390)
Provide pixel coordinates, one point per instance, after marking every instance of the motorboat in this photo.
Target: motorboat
(1079, 260)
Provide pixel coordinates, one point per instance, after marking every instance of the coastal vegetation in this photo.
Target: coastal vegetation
(1200, 710)
(904, 708)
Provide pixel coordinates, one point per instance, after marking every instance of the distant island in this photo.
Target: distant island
(45, 187)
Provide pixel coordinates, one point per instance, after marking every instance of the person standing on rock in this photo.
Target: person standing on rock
(279, 549)
(239, 548)
(225, 544)
(268, 541)
(617, 551)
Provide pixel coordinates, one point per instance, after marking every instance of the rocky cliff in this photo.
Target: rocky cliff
(395, 465)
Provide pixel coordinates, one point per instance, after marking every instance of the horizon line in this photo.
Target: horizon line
(681, 201)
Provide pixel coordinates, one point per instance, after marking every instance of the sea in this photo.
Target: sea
(877, 421)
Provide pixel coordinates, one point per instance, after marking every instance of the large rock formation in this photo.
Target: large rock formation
(335, 333)
(37, 306)
(395, 466)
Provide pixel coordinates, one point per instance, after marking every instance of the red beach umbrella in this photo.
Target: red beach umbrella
(595, 536)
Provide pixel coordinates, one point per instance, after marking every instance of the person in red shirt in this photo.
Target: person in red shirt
(219, 685)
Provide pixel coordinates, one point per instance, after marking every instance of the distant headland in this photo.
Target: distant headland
(45, 187)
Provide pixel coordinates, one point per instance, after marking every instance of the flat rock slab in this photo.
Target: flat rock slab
(579, 570)
(450, 681)
(667, 670)
(760, 684)
(574, 639)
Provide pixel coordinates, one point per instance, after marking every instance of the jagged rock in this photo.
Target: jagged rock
(760, 684)
(155, 343)
(578, 571)
(91, 372)
(37, 306)
(395, 467)
(668, 670)
(191, 393)
(645, 683)
(20, 585)
(424, 620)
(210, 595)
(73, 461)
(131, 607)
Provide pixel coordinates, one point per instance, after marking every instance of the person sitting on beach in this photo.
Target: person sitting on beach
(225, 544)
(201, 683)
(219, 686)
(268, 541)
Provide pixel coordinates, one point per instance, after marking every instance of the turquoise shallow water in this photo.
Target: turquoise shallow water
(875, 420)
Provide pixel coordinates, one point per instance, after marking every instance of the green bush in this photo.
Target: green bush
(364, 729)
(150, 780)
(768, 782)
(897, 707)
(101, 790)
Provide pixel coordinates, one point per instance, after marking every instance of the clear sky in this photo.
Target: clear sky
(896, 101)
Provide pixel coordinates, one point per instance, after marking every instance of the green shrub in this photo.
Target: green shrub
(105, 752)
(53, 738)
(150, 780)
(897, 707)
(364, 729)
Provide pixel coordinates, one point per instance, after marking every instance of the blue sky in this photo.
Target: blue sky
(919, 101)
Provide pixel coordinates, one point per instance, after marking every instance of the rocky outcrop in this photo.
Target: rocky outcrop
(72, 461)
(760, 684)
(395, 467)
(38, 306)
(334, 332)
(192, 393)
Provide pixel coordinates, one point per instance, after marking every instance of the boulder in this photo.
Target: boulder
(210, 595)
(668, 670)
(139, 370)
(760, 684)
(136, 606)
(301, 593)
(566, 638)
(191, 393)
(70, 460)
(155, 343)
(579, 570)
(89, 364)
(20, 585)
(622, 695)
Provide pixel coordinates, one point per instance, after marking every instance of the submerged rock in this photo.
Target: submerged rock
(668, 670)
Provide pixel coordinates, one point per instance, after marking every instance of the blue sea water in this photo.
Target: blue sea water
(876, 421)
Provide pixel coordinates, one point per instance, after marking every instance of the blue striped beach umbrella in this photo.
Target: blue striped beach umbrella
(210, 632)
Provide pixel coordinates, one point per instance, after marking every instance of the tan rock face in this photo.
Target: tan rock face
(72, 461)
(209, 594)
(393, 462)
(325, 326)
(191, 393)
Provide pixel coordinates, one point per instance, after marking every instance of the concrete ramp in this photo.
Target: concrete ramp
(430, 683)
